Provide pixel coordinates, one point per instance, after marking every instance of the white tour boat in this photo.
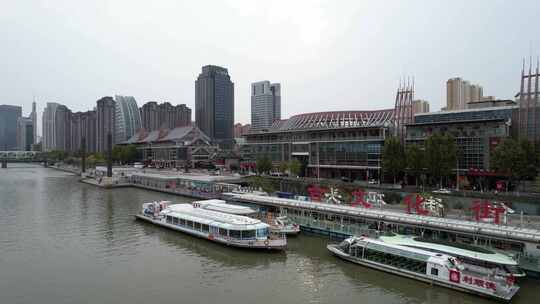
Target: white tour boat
(481, 260)
(225, 228)
(280, 224)
(430, 267)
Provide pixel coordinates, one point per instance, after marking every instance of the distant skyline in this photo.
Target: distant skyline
(346, 55)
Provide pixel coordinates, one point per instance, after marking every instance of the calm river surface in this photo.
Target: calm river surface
(66, 242)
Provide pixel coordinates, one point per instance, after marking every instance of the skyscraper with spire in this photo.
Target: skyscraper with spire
(529, 114)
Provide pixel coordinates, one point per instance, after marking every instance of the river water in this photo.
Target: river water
(66, 242)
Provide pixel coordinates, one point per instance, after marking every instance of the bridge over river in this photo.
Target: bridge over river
(21, 157)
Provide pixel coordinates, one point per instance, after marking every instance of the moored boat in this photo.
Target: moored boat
(478, 259)
(219, 227)
(430, 267)
(280, 224)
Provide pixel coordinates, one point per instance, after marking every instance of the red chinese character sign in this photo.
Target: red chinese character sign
(367, 199)
(479, 282)
(359, 200)
(414, 204)
(417, 204)
(316, 193)
(490, 212)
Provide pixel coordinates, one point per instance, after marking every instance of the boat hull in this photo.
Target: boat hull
(334, 250)
(279, 244)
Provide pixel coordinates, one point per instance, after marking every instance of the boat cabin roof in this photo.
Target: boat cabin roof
(409, 241)
(214, 218)
(222, 206)
(412, 253)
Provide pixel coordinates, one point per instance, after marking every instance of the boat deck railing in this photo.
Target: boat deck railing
(504, 231)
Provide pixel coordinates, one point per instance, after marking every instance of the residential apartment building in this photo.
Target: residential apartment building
(155, 116)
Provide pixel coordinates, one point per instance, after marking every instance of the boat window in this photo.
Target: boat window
(169, 219)
(393, 260)
(197, 226)
(182, 222)
(189, 224)
(248, 234)
(262, 233)
(234, 234)
(434, 271)
(222, 232)
(205, 228)
(175, 221)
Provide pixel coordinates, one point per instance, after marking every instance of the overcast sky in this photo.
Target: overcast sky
(327, 55)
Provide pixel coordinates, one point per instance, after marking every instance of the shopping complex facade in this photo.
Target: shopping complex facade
(327, 144)
(348, 144)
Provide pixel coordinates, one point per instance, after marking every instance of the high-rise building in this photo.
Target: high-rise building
(62, 128)
(48, 129)
(170, 116)
(89, 130)
(25, 134)
(265, 104)
(164, 116)
(214, 103)
(459, 93)
(9, 117)
(149, 116)
(33, 117)
(76, 131)
(56, 127)
(476, 93)
(127, 118)
(105, 123)
(420, 106)
(454, 94)
(83, 125)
